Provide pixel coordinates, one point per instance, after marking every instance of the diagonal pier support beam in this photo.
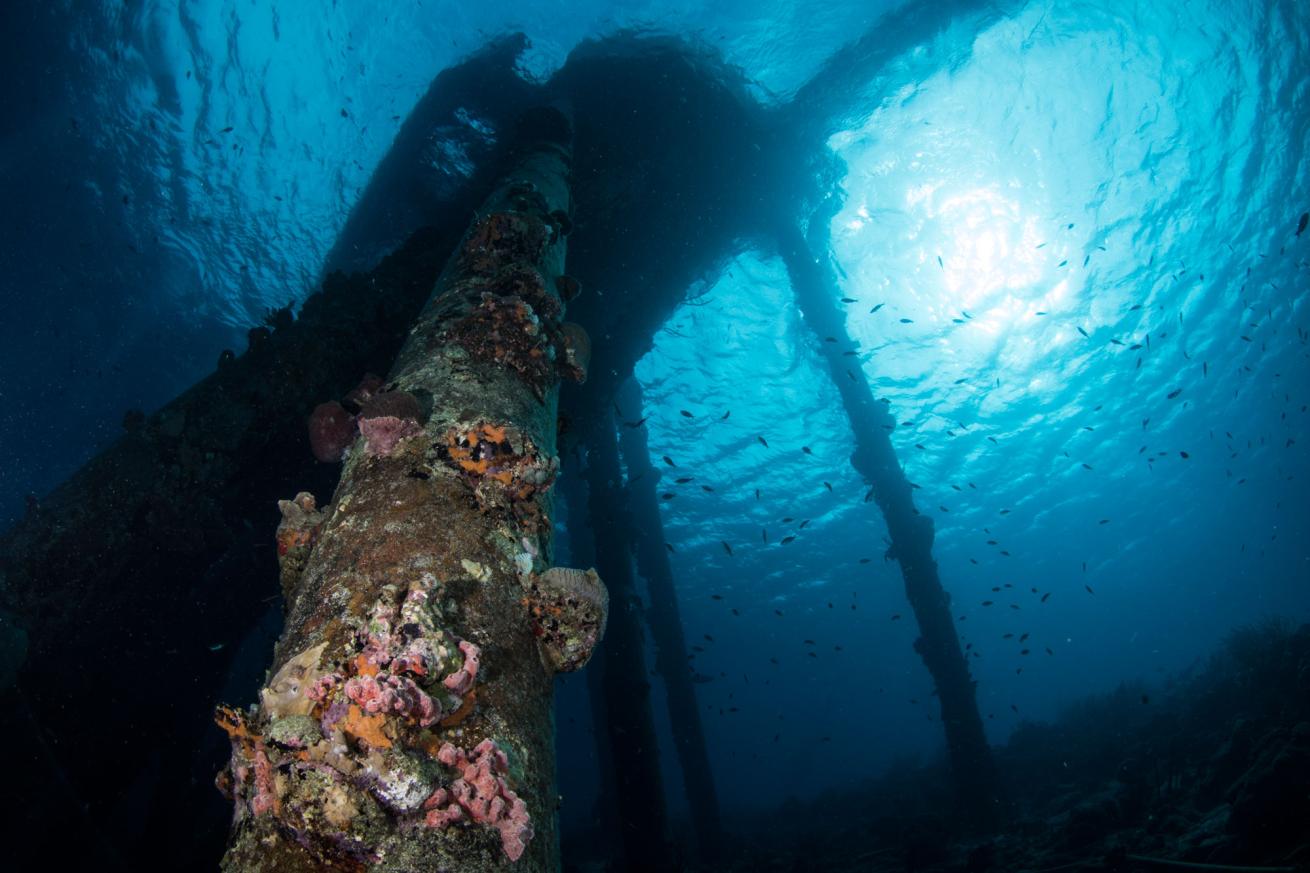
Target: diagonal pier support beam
(406, 724)
(911, 533)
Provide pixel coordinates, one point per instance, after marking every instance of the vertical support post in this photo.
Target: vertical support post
(631, 725)
(582, 547)
(406, 724)
(666, 628)
(911, 534)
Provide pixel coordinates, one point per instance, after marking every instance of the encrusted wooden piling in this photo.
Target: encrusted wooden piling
(406, 721)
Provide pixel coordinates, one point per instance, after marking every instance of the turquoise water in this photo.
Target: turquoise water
(1131, 171)
(1054, 216)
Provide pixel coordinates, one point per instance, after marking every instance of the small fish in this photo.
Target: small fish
(669, 546)
(683, 480)
(988, 602)
(706, 488)
(708, 638)
(907, 321)
(635, 423)
(1081, 331)
(725, 415)
(876, 308)
(727, 548)
(896, 617)
(777, 612)
(1184, 455)
(829, 486)
(1022, 639)
(226, 130)
(786, 540)
(669, 461)
(685, 413)
(716, 597)
(1102, 521)
(667, 495)
(803, 523)
(1089, 589)
(1146, 698)
(217, 646)
(1300, 225)
(849, 300)
(806, 450)
(1045, 596)
(763, 441)
(1063, 263)
(1174, 393)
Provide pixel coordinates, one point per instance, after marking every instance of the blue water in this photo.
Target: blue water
(1031, 191)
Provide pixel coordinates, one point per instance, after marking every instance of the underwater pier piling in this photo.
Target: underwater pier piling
(874, 457)
(406, 723)
(629, 721)
(666, 629)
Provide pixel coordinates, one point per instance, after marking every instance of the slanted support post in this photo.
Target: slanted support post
(406, 721)
(911, 533)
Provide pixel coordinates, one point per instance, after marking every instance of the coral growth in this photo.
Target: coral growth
(508, 331)
(388, 418)
(577, 351)
(482, 795)
(501, 239)
(296, 535)
(331, 431)
(503, 467)
(287, 693)
(568, 287)
(364, 728)
(569, 609)
(362, 393)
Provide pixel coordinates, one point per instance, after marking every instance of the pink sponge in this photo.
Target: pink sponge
(481, 794)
